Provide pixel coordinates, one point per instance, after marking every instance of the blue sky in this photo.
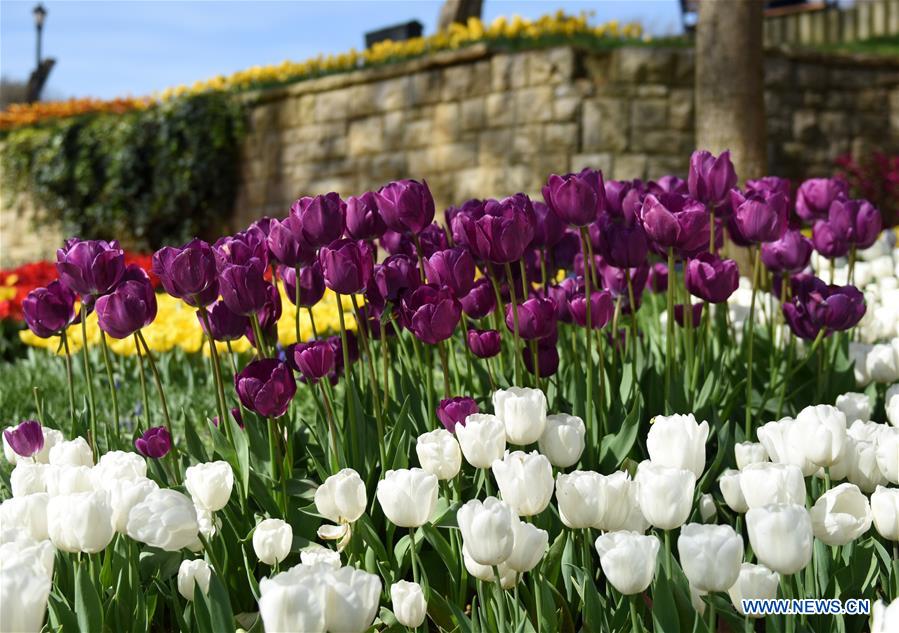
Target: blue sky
(108, 49)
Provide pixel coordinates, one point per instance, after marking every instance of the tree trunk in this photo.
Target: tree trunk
(458, 11)
(730, 95)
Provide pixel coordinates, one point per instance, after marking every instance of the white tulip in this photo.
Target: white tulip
(75, 452)
(80, 522)
(124, 494)
(696, 599)
(294, 601)
(272, 539)
(823, 428)
(707, 509)
(882, 364)
(525, 481)
(342, 497)
(749, 453)
(841, 515)
(858, 464)
(786, 445)
(529, 547)
(193, 574)
(885, 512)
(522, 411)
(888, 455)
(27, 478)
(755, 582)
(482, 439)
(24, 592)
(66, 480)
(634, 521)
(165, 519)
(315, 554)
(665, 494)
(855, 406)
(563, 439)
(507, 576)
(732, 491)
(118, 465)
(409, 604)
(408, 496)
(487, 530)
(858, 354)
(353, 598)
(677, 441)
(891, 403)
(628, 560)
(767, 483)
(439, 453)
(210, 484)
(781, 536)
(578, 496)
(885, 618)
(710, 555)
(39, 556)
(867, 431)
(27, 515)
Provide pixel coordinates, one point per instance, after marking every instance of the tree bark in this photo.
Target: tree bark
(458, 11)
(730, 95)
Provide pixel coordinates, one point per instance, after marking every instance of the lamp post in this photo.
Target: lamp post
(40, 14)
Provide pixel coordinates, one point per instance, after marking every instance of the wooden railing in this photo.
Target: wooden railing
(828, 23)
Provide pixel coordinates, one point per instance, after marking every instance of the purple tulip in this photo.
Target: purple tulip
(668, 184)
(433, 239)
(695, 309)
(90, 267)
(480, 300)
(768, 185)
(322, 218)
(225, 325)
(577, 199)
(406, 206)
(601, 308)
(346, 265)
(800, 321)
(241, 248)
(536, 318)
(48, 311)
(658, 277)
(623, 198)
(502, 233)
(431, 313)
(760, 217)
(547, 360)
(287, 244)
(392, 279)
(789, 254)
(363, 219)
(614, 279)
(26, 438)
(858, 220)
(128, 308)
(268, 316)
(188, 273)
(312, 284)
(243, 286)
(453, 268)
(734, 231)
(235, 414)
(710, 178)
(453, 411)
(315, 360)
(472, 209)
(837, 307)
(674, 221)
(623, 243)
(548, 228)
(563, 253)
(397, 243)
(814, 197)
(484, 343)
(266, 387)
(352, 349)
(154, 443)
(711, 278)
(828, 240)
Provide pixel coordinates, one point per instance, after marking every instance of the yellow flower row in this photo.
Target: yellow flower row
(176, 326)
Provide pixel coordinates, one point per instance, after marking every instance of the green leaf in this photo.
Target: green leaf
(88, 608)
(615, 448)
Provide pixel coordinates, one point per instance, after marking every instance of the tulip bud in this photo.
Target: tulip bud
(766, 483)
(409, 604)
(155, 442)
(315, 554)
(439, 453)
(507, 576)
(711, 278)
(75, 452)
(710, 555)
(315, 360)
(363, 219)
(24, 591)
(841, 515)
(628, 560)
(482, 439)
(26, 438)
(352, 600)
(710, 178)
(128, 308)
(272, 539)
(90, 267)
(48, 311)
(480, 300)
(193, 574)
(346, 266)
(562, 440)
(342, 497)
(286, 243)
(165, 519)
(80, 522)
(888, 455)
(210, 484)
(525, 481)
(885, 512)
(755, 582)
(266, 387)
(707, 509)
(294, 600)
(749, 453)
(885, 618)
(406, 206)
(321, 218)
(484, 343)
(124, 494)
(118, 465)
(891, 404)
(781, 536)
(26, 516)
(665, 494)
(408, 497)
(488, 530)
(523, 412)
(729, 483)
(224, 324)
(66, 480)
(576, 199)
(453, 268)
(188, 273)
(529, 547)
(28, 478)
(454, 411)
(785, 444)
(677, 441)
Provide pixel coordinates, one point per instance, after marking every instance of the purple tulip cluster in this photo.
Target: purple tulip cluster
(816, 307)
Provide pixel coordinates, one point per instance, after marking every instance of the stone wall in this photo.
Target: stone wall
(482, 123)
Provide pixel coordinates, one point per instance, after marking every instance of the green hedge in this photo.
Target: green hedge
(150, 177)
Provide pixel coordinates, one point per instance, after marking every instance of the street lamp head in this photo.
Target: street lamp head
(39, 13)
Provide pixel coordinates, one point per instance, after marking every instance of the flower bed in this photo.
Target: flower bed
(472, 456)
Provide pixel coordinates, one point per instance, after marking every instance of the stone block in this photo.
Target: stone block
(500, 109)
(526, 140)
(681, 109)
(446, 122)
(560, 136)
(473, 113)
(425, 87)
(332, 105)
(805, 125)
(629, 166)
(418, 133)
(453, 156)
(362, 100)
(494, 147)
(508, 70)
(457, 82)
(550, 67)
(385, 167)
(366, 136)
(394, 129)
(534, 104)
(778, 72)
(676, 164)
(649, 113)
(812, 76)
(605, 125)
(393, 94)
(646, 91)
(602, 162)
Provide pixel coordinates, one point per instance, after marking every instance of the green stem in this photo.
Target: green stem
(111, 380)
(669, 341)
(444, 365)
(636, 627)
(630, 296)
(500, 599)
(70, 380)
(348, 373)
(217, 375)
(296, 297)
(594, 431)
(143, 381)
(162, 401)
(515, 330)
(90, 384)
(332, 430)
(413, 555)
(750, 338)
